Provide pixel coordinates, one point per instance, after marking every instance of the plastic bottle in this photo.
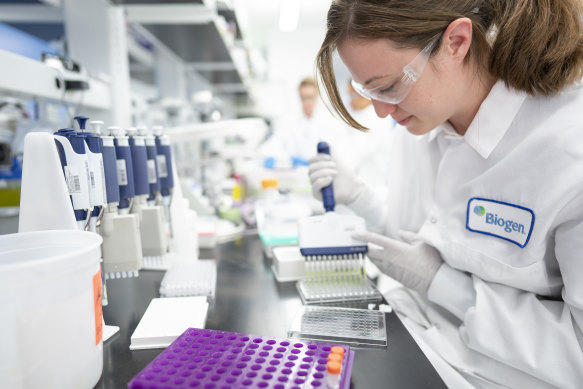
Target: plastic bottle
(272, 213)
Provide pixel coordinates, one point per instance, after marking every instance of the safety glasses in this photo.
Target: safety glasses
(396, 89)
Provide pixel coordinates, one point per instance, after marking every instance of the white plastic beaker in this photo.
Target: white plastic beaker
(50, 310)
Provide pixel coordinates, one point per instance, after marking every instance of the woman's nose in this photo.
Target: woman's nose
(383, 109)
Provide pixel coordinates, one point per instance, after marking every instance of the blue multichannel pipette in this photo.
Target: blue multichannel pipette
(96, 173)
(125, 171)
(72, 152)
(326, 241)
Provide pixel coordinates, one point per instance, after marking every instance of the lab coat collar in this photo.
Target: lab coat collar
(444, 127)
(493, 119)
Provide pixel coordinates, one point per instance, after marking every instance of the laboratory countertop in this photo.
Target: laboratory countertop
(248, 299)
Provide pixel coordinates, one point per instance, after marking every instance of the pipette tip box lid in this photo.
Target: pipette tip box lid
(166, 318)
(213, 359)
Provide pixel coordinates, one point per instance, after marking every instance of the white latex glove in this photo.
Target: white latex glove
(324, 170)
(413, 263)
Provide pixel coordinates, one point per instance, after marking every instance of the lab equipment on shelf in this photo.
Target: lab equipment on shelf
(277, 216)
(150, 215)
(357, 327)
(210, 358)
(122, 246)
(96, 173)
(72, 153)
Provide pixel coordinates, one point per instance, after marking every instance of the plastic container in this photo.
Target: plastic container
(50, 310)
(277, 215)
(201, 358)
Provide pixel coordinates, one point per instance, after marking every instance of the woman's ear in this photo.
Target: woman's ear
(457, 38)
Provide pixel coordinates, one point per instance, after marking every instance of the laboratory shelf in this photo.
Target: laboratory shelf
(25, 77)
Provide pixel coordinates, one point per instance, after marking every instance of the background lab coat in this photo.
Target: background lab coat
(296, 135)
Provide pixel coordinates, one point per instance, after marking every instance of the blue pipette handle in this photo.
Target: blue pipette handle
(110, 169)
(126, 187)
(154, 186)
(140, 165)
(77, 143)
(327, 191)
(167, 179)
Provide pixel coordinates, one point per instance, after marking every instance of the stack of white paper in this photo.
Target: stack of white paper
(166, 319)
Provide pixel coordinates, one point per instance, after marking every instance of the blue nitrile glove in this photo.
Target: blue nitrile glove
(269, 163)
(299, 161)
(413, 263)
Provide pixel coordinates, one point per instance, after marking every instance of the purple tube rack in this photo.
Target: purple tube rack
(209, 359)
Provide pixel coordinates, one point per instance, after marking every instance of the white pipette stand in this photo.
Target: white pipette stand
(44, 196)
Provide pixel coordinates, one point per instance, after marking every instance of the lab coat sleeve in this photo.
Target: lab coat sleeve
(529, 332)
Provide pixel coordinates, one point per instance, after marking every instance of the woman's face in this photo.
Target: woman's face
(425, 106)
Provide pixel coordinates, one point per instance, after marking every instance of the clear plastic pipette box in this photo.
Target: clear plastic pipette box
(356, 327)
(331, 279)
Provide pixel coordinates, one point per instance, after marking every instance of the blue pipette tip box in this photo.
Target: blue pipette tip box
(210, 359)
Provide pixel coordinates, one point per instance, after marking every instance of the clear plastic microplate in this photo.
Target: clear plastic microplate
(336, 279)
(356, 327)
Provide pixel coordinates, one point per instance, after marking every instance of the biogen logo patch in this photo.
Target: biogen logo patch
(479, 210)
(499, 219)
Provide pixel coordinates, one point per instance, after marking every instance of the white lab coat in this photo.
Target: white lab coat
(503, 315)
(296, 135)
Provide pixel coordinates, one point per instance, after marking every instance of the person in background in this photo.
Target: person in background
(483, 224)
(296, 135)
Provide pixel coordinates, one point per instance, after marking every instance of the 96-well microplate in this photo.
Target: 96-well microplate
(357, 327)
(209, 359)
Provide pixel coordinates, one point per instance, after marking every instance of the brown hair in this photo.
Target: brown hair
(535, 46)
(308, 81)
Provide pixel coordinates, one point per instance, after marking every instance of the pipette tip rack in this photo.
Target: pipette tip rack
(211, 359)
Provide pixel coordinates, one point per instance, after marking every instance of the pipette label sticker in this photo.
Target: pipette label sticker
(97, 306)
(122, 172)
(151, 171)
(162, 168)
(73, 179)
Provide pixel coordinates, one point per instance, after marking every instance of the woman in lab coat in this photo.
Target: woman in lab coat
(484, 221)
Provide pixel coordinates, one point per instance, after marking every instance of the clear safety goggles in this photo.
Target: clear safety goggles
(395, 90)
